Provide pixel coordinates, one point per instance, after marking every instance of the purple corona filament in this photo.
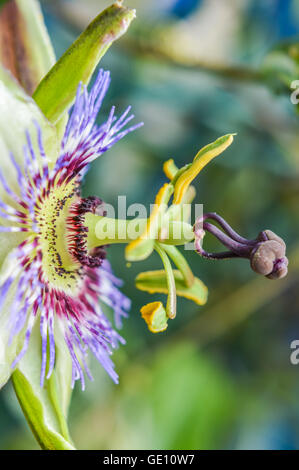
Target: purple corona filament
(75, 312)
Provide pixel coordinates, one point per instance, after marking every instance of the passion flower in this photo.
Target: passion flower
(52, 277)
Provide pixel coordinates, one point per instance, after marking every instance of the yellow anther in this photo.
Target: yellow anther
(170, 169)
(203, 157)
(154, 282)
(155, 316)
(142, 247)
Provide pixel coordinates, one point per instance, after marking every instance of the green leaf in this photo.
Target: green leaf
(41, 406)
(57, 90)
(25, 47)
(156, 282)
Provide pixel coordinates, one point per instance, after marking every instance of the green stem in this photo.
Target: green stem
(104, 231)
(171, 298)
(180, 263)
(158, 51)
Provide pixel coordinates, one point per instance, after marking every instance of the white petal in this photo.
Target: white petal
(18, 112)
(8, 352)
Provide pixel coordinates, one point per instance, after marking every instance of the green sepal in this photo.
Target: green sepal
(33, 407)
(41, 405)
(155, 282)
(56, 92)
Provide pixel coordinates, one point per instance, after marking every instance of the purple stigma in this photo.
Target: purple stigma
(267, 252)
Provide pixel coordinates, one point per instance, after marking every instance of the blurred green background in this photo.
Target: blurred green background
(220, 376)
